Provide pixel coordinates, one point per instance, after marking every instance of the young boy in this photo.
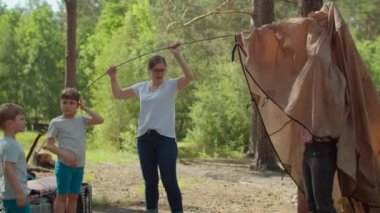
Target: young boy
(69, 130)
(13, 163)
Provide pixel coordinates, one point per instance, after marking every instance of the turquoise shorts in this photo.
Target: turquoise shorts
(10, 206)
(69, 179)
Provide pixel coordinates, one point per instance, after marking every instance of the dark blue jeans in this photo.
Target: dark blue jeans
(319, 166)
(158, 151)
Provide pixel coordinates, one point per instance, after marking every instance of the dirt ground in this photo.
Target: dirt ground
(213, 185)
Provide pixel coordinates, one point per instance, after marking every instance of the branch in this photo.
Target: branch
(216, 13)
(224, 3)
(209, 14)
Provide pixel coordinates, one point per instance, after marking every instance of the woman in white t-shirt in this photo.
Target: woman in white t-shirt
(156, 142)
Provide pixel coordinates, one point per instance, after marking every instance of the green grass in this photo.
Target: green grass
(104, 155)
(102, 202)
(26, 139)
(193, 150)
(189, 150)
(110, 155)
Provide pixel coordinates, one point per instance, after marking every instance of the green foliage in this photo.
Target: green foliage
(285, 9)
(110, 19)
(2, 8)
(370, 52)
(133, 36)
(9, 77)
(220, 115)
(109, 155)
(362, 16)
(40, 62)
(88, 14)
(208, 61)
(188, 150)
(31, 61)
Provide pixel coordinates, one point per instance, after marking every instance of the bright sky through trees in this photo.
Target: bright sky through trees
(22, 3)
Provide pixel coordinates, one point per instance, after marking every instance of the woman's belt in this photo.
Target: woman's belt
(324, 139)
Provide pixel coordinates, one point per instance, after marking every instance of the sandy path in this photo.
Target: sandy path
(214, 185)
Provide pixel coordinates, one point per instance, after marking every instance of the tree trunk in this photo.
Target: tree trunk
(260, 147)
(70, 72)
(304, 8)
(307, 6)
(264, 12)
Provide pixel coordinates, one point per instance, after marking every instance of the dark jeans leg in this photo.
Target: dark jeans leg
(146, 147)
(167, 156)
(307, 183)
(319, 169)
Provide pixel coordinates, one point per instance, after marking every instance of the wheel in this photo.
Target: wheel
(84, 204)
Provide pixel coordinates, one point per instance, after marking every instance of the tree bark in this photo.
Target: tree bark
(264, 12)
(70, 72)
(307, 6)
(304, 8)
(260, 147)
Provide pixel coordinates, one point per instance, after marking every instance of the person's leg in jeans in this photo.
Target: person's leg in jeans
(167, 157)
(323, 167)
(148, 160)
(307, 179)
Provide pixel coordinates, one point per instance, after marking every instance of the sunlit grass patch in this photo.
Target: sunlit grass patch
(27, 138)
(189, 150)
(88, 176)
(102, 202)
(182, 182)
(110, 156)
(105, 155)
(140, 189)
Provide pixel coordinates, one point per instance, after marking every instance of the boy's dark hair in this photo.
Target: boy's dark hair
(9, 111)
(70, 94)
(154, 60)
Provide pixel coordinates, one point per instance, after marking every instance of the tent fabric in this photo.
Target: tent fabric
(306, 73)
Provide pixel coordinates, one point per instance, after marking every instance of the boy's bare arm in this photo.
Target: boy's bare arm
(95, 118)
(66, 156)
(9, 173)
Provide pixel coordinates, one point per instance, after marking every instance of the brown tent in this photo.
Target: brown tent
(307, 73)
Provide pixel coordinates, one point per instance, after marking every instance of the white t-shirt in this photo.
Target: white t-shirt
(157, 109)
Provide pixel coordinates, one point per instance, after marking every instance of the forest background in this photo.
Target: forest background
(213, 114)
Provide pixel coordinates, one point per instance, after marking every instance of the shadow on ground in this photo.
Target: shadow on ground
(117, 210)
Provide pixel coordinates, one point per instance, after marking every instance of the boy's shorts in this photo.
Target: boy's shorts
(69, 179)
(10, 206)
